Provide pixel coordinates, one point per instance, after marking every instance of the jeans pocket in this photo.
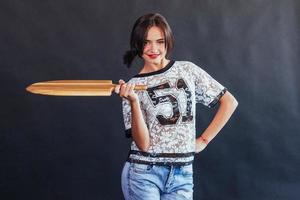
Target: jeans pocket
(187, 170)
(141, 168)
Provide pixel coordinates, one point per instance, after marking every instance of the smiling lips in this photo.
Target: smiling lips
(153, 56)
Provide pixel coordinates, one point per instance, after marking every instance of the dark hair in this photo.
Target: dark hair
(139, 33)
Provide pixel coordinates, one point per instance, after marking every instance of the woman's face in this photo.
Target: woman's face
(154, 50)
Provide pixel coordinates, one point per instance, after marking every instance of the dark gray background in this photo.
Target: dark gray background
(74, 147)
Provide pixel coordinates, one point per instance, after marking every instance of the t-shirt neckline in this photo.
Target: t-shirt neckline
(168, 66)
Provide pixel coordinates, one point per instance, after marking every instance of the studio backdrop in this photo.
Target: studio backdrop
(75, 147)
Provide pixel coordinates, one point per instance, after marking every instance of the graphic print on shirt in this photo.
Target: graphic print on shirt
(180, 84)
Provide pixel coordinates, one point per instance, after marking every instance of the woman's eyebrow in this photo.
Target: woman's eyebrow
(155, 40)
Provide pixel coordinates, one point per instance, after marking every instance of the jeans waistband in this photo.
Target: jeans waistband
(165, 155)
(169, 159)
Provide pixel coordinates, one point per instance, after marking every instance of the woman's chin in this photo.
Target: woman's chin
(156, 61)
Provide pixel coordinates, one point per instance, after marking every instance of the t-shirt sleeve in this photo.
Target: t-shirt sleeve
(127, 117)
(208, 91)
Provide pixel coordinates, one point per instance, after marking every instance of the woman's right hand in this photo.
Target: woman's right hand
(126, 91)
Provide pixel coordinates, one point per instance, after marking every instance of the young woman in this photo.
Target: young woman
(161, 120)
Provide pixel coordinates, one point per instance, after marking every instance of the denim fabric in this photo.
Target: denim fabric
(153, 182)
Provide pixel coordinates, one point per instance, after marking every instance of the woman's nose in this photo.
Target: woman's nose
(153, 47)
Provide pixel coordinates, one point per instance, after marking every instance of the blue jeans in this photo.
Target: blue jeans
(153, 182)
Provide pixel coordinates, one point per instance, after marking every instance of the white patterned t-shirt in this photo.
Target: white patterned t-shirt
(168, 107)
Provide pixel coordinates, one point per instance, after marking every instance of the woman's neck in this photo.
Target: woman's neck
(151, 67)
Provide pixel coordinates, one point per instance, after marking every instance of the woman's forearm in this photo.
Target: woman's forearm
(140, 133)
(227, 106)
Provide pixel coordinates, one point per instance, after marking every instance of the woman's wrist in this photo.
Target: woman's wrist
(133, 101)
(200, 144)
(203, 139)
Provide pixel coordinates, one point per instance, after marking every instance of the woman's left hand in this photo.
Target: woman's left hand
(200, 146)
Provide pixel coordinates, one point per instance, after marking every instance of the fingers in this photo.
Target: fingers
(200, 146)
(121, 81)
(124, 89)
(127, 90)
(117, 87)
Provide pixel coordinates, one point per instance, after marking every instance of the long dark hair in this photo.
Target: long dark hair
(139, 32)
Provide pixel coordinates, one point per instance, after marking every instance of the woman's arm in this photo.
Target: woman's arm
(139, 130)
(227, 106)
